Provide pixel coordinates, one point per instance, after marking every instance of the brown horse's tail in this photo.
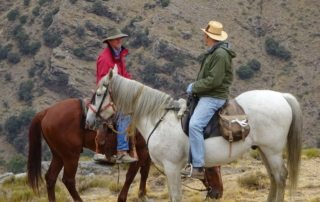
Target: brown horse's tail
(34, 155)
(294, 141)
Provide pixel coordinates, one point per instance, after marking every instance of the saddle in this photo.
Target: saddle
(230, 121)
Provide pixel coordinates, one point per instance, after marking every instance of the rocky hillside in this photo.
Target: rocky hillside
(48, 50)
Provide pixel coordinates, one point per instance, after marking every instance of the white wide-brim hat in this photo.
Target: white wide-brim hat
(215, 31)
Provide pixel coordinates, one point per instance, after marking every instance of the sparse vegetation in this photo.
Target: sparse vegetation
(47, 20)
(164, 3)
(275, 49)
(4, 51)
(7, 77)
(311, 153)
(25, 91)
(80, 31)
(14, 58)
(244, 72)
(73, 1)
(36, 11)
(254, 64)
(17, 164)
(27, 48)
(26, 2)
(52, 39)
(13, 14)
(256, 180)
(23, 19)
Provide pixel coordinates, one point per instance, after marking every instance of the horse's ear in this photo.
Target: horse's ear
(115, 69)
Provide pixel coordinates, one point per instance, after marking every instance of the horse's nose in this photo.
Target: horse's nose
(88, 125)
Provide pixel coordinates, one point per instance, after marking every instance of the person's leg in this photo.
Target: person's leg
(123, 143)
(202, 114)
(122, 125)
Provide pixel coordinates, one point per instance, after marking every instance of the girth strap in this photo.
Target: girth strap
(157, 124)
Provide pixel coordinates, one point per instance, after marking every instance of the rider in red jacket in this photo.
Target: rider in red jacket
(114, 54)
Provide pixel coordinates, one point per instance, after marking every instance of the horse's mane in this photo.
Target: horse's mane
(138, 99)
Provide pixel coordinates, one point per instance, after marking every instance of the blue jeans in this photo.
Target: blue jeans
(202, 114)
(122, 125)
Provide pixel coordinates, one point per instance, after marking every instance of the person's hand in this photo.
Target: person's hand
(189, 89)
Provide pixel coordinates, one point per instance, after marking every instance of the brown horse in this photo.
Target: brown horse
(62, 127)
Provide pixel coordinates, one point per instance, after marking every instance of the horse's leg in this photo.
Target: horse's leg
(277, 173)
(131, 173)
(144, 172)
(172, 172)
(51, 176)
(69, 173)
(213, 182)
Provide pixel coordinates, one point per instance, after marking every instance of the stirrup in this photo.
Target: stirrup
(191, 169)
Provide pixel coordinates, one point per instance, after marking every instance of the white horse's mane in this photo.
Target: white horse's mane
(138, 99)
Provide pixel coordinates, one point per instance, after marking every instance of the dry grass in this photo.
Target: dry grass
(311, 153)
(256, 180)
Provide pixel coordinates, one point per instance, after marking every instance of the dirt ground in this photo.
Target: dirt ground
(308, 186)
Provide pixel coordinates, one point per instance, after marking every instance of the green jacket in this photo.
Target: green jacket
(216, 73)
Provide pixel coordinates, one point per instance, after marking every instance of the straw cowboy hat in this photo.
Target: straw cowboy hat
(114, 33)
(215, 31)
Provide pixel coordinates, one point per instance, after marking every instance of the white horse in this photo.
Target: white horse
(275, 119)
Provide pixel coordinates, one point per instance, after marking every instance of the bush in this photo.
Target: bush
(99, 30)
(14, 58)
(25, 91)
(29, 48)
(273, 48)
(41, 2)
(52, 39)
(164, 3)
(73, 1)
(140, 39)
(26, 116)
(98, 8)
(7, 77)
(36, 11)
(79, 52)
(12, 126)
(254, 64)
(4, 52)
(47, 20)
(17, 164)
(311, 153)
(20, 34)
(80, 32)
(13, 14)
(26, 2)
(244, 72)
(23, 19)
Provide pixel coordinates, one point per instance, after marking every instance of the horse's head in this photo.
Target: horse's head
(102, 106)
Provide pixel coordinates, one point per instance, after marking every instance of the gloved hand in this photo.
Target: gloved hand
(189, 89)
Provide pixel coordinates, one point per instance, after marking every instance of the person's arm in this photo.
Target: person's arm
(102, 68)
(215, 78)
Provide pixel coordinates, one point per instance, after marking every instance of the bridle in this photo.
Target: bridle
(101, 108)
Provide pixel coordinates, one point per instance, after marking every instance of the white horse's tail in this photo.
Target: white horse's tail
(294, 141)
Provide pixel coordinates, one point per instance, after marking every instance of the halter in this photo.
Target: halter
(101, 108)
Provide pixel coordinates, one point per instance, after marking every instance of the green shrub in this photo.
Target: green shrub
(4, 52)
(7, 77)
(98, 8)
(73, 1)
(25, 91)
(14, 58)
(47, 20)
(311, 153)
(26, 2)
(273, 48)
(23, 19)
(99, 30)
(13, 14)
(19, 33)
(36, 11)
(17, 164)
(140, 39)
(52, 39)
(164, 3)
(41, 2)
(26, 116)
(12, 126)
(79, 52)
(254, 64)
(27, 48)
(244, 72)
(80, 32)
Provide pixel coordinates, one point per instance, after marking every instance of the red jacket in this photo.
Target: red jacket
(106, 61)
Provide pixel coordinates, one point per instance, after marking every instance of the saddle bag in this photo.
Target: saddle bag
(233, 122)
